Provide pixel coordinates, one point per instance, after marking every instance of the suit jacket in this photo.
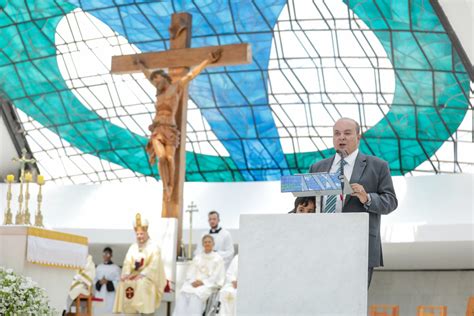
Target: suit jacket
(374, 174)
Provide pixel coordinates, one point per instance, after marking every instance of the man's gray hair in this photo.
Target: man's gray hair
(353, 121)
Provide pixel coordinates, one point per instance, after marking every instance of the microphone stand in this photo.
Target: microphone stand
(343, 155)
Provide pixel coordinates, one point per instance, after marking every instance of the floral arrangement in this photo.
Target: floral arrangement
(20, 295)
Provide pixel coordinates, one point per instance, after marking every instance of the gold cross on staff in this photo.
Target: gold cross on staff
(23, 161)
(168, 129)
(192, 208)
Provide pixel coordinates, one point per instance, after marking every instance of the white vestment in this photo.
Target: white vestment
(228, 294)
(110, 272)
(82, 282)
(223, 245)
(141, 295)
(208, 268)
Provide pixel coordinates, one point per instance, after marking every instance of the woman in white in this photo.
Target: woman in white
(205, 275)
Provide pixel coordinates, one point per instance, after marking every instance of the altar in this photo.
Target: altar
(48, 257)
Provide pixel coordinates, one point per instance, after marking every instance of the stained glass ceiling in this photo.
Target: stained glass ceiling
(388, 64)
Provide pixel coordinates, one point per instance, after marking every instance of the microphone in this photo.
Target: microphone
(343, 154)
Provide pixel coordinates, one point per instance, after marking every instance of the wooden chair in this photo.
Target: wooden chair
(78, 301)
(470, 306)
(384, 310)
(432, 311)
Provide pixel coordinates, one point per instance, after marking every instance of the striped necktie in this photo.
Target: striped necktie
(331, 200)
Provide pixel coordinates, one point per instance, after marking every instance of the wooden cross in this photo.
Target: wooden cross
(178, 60)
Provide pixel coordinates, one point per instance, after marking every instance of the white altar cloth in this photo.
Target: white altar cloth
(47, 257)
(57, 249)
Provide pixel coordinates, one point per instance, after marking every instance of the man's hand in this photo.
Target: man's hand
(359, 191)
(103, 281)
(215, 55)
(234, 284)
(197, 283)
(124, 277)
(135, 277)
(138, 62)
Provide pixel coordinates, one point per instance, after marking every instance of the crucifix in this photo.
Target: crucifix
(167, 141)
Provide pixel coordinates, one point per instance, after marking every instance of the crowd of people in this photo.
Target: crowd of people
(138, 286)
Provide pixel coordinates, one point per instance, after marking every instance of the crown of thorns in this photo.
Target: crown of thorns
(160, 73)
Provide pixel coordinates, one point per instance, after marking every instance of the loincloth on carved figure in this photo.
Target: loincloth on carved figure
(167, 134)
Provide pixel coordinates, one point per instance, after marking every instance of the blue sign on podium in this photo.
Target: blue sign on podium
(314, 184)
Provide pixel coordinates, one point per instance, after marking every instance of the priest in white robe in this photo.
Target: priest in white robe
(228, 293)
(107, 277)
(82, 282)
(223, 243)
(143, 277)
(205, 276)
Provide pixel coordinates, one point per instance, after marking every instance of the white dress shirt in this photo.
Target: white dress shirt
(348, 168)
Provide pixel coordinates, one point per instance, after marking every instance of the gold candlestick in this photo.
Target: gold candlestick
(8, 217)
(39, 199)
(26, 213)
(19, 218)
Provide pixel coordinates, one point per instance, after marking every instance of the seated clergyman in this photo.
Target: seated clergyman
(205, 276)
(143, 278)
(228, 293)
(223, 243)
(82, 282)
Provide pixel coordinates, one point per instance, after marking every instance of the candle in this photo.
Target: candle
(10, 178)
(28, 177)
(40, 179)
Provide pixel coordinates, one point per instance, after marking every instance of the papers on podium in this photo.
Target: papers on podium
(314, 184)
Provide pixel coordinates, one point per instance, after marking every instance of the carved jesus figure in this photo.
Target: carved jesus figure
(165, 135)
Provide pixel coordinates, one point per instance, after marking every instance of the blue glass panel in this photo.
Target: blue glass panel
(213, 17)
(429, 104)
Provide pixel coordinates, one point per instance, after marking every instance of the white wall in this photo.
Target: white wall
(115, 205)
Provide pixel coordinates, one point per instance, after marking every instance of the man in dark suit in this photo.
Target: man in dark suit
(370, 180)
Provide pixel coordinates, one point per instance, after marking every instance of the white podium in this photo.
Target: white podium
(303, 264)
